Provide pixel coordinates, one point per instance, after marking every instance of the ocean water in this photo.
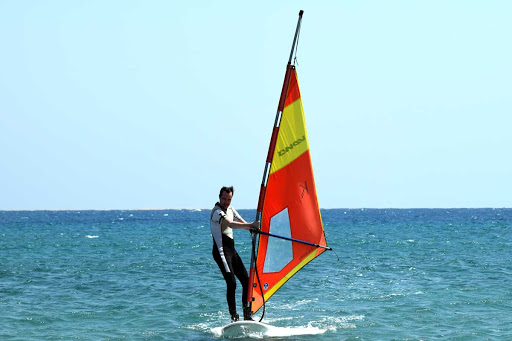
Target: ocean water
(408, 274)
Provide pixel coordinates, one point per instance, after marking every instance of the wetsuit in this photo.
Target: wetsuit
(225, 255)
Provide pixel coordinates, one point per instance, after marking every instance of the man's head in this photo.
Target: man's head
(225, 195)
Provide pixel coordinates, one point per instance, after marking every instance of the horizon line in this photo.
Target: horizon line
(208, 208)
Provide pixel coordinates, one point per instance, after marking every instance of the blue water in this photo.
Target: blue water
(440, 274)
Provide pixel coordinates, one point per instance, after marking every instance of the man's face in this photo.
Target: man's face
(225, 199)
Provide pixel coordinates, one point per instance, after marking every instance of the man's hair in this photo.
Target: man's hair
(228, 190)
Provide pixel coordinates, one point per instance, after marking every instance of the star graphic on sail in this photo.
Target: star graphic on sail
(304, 188)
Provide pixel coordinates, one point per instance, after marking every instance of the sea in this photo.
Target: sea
(394, 274)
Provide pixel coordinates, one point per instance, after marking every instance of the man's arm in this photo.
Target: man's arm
(236, 216)
(240, 225)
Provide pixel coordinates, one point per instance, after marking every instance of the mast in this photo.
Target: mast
(270, 155)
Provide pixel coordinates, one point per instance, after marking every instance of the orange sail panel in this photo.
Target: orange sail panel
(290, 207)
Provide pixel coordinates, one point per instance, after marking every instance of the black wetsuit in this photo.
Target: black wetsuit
(237, 269)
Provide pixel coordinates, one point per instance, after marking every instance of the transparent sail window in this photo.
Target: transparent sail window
(279, 251)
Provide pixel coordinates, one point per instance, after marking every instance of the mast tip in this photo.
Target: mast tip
(301, 13)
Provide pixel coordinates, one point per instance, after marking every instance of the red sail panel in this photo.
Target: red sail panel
(293, 90)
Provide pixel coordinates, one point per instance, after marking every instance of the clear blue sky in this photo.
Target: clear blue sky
(156, 104)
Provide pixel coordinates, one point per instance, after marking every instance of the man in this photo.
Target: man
(223, 220)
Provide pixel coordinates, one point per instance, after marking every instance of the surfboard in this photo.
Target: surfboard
(245, 328)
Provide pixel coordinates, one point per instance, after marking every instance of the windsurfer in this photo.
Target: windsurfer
(223, 219)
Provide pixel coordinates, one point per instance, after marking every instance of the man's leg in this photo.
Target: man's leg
(243, 277)
(229, 277)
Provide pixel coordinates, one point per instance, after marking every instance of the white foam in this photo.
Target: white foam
(297, 303)
(216, 331)
(91, 237)
(294, 331)
(333, 323)
(391, 295)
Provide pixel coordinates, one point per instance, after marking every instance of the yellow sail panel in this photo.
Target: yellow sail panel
(292, 140)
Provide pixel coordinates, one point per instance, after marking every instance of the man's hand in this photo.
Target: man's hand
(255, 226)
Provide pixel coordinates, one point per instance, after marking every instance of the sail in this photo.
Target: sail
(290, 207)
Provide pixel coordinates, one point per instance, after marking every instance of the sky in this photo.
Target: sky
(157, 104)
